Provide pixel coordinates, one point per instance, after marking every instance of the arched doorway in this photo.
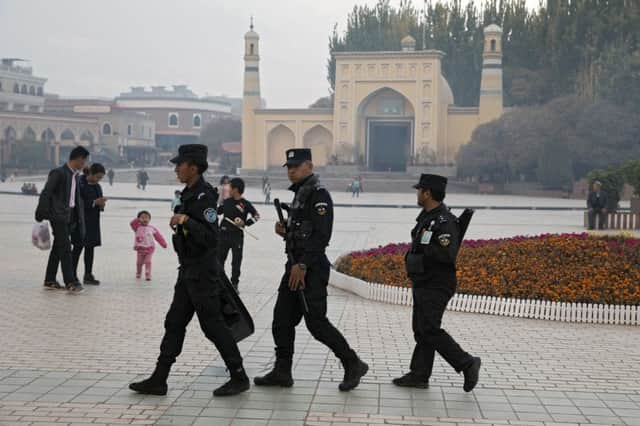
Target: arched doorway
(385, 124)
(8, 144)
(280, 139)
(47, 138)
(319, 139)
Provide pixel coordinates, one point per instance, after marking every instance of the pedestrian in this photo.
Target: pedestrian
(3, 175)
(94, 203)
(265, 179)
(61, 204)
(111, 174)
(360, 183)
(242, 213)
(597, 206)
(198, 287)
(355, 188)
(303, 288)
(144, 179)
(267, 193)
(175, 203)
(224, 189)
(431, 266)
(144, 243)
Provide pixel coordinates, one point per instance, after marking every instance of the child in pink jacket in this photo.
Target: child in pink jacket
(144, 242)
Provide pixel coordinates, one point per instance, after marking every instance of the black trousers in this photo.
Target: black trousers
(233, 241)
(288, 313)
(197, 291)
(600, 214)
(88, 258)
(429, 304)
(60, 254)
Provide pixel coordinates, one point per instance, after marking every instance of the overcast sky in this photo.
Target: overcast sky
(102, 47)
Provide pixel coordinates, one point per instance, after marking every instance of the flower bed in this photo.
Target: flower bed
(563, 268)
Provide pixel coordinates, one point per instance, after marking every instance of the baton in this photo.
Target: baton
(240, 227)
(303, 299)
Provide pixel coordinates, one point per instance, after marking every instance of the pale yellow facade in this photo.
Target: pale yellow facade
(391, 109)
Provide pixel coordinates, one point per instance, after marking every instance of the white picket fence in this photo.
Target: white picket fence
(519, 308)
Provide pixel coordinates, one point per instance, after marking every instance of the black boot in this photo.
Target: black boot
(238, 383)
(471, 374)
(90, 279)
(354, 369)
(279, 376)
(412, 380)
(154, 385)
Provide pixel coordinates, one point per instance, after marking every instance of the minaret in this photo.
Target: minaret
(250, 97)
(491, 82)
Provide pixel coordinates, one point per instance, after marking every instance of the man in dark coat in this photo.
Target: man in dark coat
(94, 203)
(597, 206)
(431, 266)
(61, 204)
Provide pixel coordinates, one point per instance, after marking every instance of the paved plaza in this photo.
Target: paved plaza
(68, 359)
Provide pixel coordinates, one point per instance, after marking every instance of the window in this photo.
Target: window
(40, 91)
(388, 105)
(24, 89)
(16, 88)
(251, 49)
(106, 129)
(173, 119)
(129, 130)
(493, 45)
(32, 91)
(197, 121)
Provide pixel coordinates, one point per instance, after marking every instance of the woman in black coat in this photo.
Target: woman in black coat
(94, 202)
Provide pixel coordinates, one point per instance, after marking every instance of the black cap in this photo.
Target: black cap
(194, 152)
(435, 182)
(297, 156)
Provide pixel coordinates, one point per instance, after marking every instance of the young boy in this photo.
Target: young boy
(236, 209)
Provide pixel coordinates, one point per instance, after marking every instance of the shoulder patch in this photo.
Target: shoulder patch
(210, 215)
(444, 240)
(321, 208)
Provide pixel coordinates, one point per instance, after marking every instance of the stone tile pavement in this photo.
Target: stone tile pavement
(68, 359)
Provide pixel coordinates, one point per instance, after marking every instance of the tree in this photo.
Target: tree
(324, 102)
(219, 131)
(552, 143)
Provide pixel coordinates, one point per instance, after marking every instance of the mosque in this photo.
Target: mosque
(390, 110)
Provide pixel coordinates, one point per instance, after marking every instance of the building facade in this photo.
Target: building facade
(179, 114)
(391, 110)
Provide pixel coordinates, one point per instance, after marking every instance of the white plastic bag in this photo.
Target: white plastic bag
(40, 235)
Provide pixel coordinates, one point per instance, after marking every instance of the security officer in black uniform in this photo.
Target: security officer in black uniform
(236, 211)
(431, 266)
(307, 235)
(198, 289)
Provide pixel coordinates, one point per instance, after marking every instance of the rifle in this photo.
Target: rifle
(463, 221)
(300, 291)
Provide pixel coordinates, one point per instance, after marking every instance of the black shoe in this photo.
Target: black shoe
(471, 375)
(90, 280)
(52, 285)
(412, 380)
(353, 372)
(75, 287)
(150, 386)
(238, 383)
(279, 376)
